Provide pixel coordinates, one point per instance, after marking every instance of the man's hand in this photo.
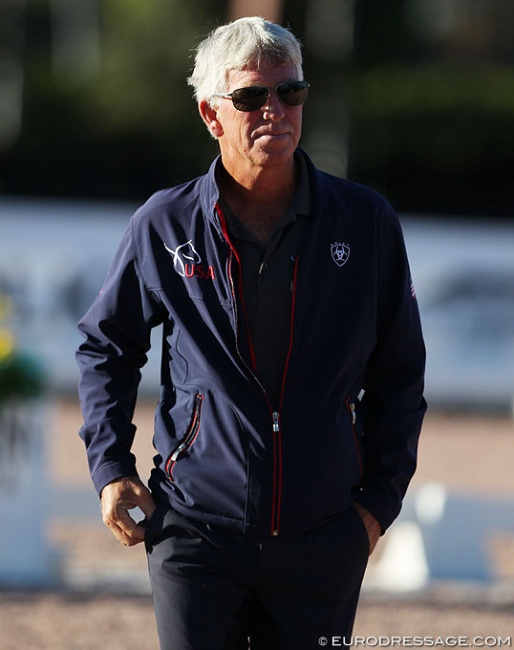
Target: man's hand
(372, 526)
(117, 499)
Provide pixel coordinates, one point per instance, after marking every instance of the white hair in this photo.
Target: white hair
(240, 45)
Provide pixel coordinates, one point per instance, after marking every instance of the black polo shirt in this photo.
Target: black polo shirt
(267, 279)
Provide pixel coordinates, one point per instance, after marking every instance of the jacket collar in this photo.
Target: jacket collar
(210, 192)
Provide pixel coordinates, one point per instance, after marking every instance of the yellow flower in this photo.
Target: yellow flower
(6, 343)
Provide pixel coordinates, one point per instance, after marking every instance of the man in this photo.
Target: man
(292, 371)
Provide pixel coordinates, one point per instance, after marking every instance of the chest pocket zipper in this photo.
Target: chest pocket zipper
(188, 439)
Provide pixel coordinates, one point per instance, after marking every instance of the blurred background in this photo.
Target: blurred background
(412, 97)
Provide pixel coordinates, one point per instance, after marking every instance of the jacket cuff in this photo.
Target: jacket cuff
(110, 472)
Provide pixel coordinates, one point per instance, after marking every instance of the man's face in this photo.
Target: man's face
(266, 137)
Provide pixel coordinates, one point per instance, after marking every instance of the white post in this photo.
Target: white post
(25, 557)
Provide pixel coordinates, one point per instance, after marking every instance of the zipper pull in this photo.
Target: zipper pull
(276, 424)
(353, 412)
(177, 452)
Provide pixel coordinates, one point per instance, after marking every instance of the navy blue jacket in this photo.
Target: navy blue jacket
(348, 421)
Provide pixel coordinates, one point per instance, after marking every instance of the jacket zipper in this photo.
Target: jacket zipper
(277, 429)
(275, 414)
(188, 439)
(277, 475)
(350, 405)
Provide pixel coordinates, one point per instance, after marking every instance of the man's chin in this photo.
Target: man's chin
(275, 149)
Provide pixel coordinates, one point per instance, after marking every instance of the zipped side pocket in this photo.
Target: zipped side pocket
(188, 439)
(350, 405)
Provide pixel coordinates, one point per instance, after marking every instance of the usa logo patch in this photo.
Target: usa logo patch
(187, 262)
(340, 253)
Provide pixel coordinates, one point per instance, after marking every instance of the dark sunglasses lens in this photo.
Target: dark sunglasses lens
(294, 93)
(249, 99)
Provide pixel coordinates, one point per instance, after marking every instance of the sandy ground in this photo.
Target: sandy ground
(102, 599)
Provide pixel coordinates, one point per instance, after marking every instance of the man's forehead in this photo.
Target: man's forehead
(264, 74)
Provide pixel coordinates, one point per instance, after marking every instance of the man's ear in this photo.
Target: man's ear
(210, 117)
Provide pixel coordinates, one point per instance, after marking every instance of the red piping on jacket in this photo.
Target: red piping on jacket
(189, 438)
(238, 259)
(277, 432)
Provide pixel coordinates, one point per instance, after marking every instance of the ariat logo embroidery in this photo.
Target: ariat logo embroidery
(340, 253)
(188, 263)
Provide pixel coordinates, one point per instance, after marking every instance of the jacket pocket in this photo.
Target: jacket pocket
(357, 436)
(188, 439)
(154, 524)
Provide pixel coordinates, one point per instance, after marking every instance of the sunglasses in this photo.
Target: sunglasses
(251, 98)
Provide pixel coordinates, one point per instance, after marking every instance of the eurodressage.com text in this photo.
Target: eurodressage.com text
(416, 642)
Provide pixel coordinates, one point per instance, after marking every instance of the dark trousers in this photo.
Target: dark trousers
(216, 591)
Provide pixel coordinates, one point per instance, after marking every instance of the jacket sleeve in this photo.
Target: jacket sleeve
(393, 404)
(116, 332)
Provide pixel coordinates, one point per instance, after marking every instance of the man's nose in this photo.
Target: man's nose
(273, 108)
